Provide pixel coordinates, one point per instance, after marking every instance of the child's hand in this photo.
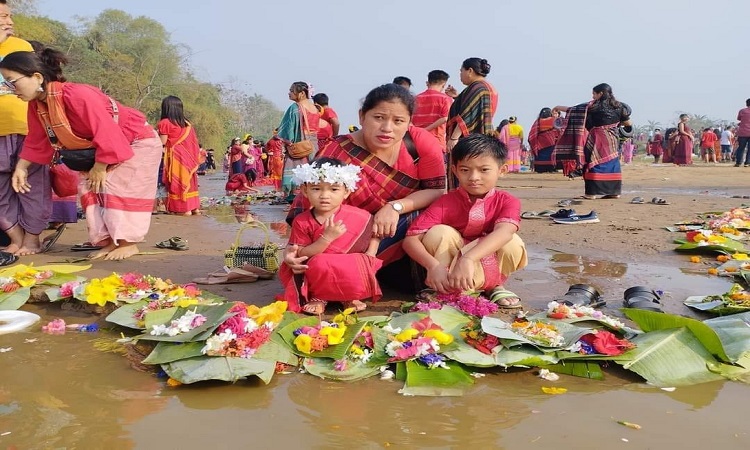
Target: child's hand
(461, 277)
(333, 229)
(437, 278)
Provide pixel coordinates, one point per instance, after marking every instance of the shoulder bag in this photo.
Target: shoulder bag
(303, 148)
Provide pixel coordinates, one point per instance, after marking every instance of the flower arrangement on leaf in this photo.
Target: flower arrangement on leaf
(131, 287)
(421, 342)
(25, 276)
(737, 218)
(539, 332)
(182, 324)
(471, 304)
(560, 311)
(603, 343)
(362, 347)
(246, 331)
(706, 237)
(311, 339)
(473, 335)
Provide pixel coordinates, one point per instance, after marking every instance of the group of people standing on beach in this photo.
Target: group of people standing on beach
(59, 133)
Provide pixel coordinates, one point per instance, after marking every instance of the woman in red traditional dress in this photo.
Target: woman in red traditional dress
(181, 153)
(683, 150)
(118, 191)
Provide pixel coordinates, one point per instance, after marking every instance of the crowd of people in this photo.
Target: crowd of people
(408, 197)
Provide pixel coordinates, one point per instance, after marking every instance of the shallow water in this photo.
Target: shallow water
(60, 392)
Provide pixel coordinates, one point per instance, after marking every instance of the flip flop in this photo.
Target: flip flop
(503, 298)
(50, 240)
(85, 247)
(641, 297)
(7, 259)
(568, 201)
(638, 201)
(231, 277)
(263, 274)
(659, 201)
(174, 243)
(537, 215)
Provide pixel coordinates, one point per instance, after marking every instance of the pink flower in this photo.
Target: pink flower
(57, 326)
(340, 365)
(235, 324)
(66, 289)
(191, 290)
(197, 321)
(131, 278)
(239, 308)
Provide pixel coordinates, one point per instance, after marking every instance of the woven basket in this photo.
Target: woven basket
(264, 255)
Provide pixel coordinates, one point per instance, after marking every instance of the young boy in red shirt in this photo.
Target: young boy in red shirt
(467, 238)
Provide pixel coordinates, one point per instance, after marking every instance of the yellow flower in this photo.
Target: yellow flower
(554, 390)
(740, 256)
(160, 284)
(695, 259)
(178, 292)
(269, 313)
(407, 335)
(173, 383)
(185, 302)
(356, 350)
(99, 293)
(26, 276)
(717, 239)
(442, 337)
(344, 316)
(303, 343)
(334, 335)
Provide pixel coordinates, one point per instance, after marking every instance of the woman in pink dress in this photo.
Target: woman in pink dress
(683, 150)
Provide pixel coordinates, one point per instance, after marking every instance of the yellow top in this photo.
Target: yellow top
(12, 108)
(515, 130)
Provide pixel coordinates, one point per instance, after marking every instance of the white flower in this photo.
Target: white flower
(250, 325)
(392, 347)
(348, 175)
(159, 330)
(215, 344)
(387, 328)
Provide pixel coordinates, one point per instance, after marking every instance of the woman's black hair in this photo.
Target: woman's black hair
(607, 96)
(388, 93)
(475, 145)
(502, 125)
(301, 86)
(480, 66)
(545, 113)
(318, 162)
(48, 62)
(172, 109)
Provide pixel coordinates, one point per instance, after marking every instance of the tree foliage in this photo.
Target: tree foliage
(134, 60)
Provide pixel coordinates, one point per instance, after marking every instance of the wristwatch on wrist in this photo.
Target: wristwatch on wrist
(397, 206)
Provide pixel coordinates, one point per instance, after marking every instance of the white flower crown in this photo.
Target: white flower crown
(348, 175)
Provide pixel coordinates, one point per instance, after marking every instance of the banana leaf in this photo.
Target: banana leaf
(585, 321)
(273, 351)
(468, 355)
(323, 368)
(739, 372)
(745, 276)
(450, 320)
(59, 278)
(204, 368)
(57, 268)
(404, 321)
(727, 248)
(379, 340)
(524, 356)
(10, 301)
(651, 320)
(420, 380)
(734, 333)
(337, 351)
(509, 338)
(215, 315)
(123, 315)
(159, 317)
(714, 304)
(583, 369)
(671, 357)
(167, 352)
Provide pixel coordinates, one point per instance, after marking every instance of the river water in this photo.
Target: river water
(62, 392)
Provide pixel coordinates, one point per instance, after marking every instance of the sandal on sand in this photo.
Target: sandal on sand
(504, 298)
(638, 201)
(174, 243)
(263, 274)
(659, 201)
(537, 215)
(426, 295)
(50, 240)
(85, 247)
(7, 259)
(315, 307)
(231, 277)
(359, 306)
(568, 201)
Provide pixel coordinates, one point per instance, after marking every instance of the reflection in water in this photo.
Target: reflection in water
(567, 264)
(241, 213)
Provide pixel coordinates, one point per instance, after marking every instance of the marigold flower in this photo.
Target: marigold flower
(722, 258)
(713, 271)
(695, 259)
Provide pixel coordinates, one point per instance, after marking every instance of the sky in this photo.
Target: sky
(662, 57)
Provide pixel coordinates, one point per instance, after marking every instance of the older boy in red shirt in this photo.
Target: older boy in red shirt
(432, 106)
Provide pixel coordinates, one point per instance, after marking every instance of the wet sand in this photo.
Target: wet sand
(58, 391)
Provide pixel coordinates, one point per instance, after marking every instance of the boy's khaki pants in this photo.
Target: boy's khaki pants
(446, 244)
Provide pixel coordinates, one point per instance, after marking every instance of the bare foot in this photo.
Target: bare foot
(104, 251)
(30, 246)
(12, 248)
(359, 306)
(315, 307)
(123, 251)
(25, 251)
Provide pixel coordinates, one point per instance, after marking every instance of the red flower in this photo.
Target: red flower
(607, 343)
(235, 324)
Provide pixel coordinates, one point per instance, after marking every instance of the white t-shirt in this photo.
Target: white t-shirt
(726, 137)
